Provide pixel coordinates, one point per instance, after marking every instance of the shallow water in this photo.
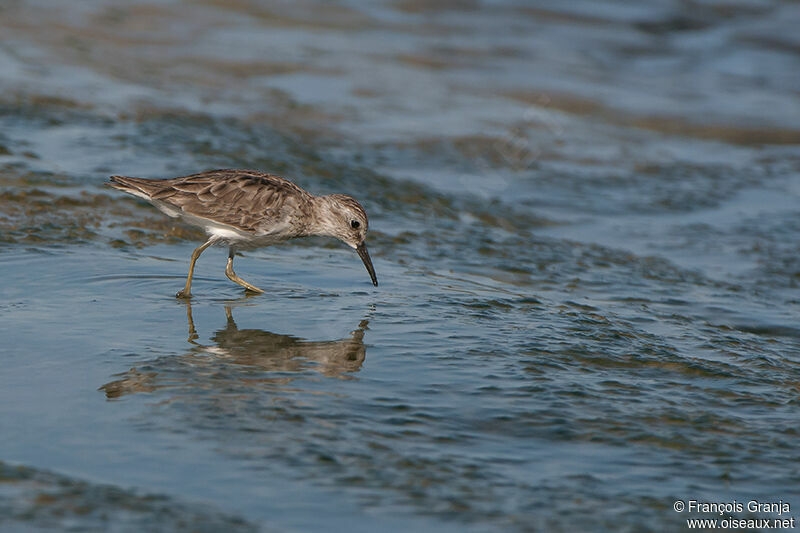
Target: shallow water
(584, 221)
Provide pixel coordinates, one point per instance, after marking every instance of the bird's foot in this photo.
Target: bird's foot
(252, 289)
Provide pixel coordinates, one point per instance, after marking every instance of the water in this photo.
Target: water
(584, 220)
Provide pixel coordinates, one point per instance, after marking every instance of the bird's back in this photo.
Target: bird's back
(247, 200)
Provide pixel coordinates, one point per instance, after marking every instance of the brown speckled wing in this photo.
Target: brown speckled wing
(248, 200)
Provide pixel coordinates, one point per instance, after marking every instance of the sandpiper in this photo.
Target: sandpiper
(248, 209)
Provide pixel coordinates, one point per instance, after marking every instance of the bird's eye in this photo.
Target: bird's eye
(355, 224)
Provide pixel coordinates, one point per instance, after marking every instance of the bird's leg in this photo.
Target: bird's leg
(187, 290)
(236, 279)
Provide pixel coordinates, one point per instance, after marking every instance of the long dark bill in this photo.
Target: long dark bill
(364, 255)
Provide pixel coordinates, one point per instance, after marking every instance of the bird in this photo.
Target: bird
(247, 209)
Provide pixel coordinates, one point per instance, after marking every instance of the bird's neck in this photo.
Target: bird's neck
(324, 218)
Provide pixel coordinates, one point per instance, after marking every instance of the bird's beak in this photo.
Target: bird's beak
(364, 255)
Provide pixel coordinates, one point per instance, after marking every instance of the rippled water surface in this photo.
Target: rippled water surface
(584, 218)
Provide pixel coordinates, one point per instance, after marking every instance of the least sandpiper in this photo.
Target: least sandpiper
(248, 209)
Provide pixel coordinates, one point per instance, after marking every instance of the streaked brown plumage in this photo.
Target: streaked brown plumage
(249, 209)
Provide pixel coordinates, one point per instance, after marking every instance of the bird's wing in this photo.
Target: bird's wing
(247, 200)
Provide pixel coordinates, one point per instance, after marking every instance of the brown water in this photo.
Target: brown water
(584, 219)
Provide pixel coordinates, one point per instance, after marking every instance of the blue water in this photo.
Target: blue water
(584, 222)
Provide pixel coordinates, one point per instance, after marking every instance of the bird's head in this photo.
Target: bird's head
(345, 219)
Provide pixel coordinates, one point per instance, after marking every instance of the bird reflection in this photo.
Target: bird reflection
(240, 356)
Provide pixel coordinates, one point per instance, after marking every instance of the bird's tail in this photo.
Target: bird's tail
(135, 186)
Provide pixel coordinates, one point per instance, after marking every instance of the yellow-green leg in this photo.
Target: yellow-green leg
(236, 279)
(187, 290)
